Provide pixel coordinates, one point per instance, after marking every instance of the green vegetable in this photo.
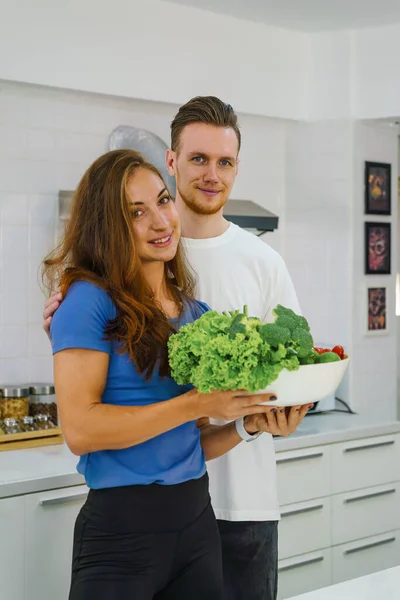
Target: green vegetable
(308, 360)
(232, 351)
(286, 317)
(274, 334)
(328, 357)
(241, 323)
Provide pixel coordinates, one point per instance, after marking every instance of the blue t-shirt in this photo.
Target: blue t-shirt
(170, 458)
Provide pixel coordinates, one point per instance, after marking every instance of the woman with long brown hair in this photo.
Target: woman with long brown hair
(147, 529)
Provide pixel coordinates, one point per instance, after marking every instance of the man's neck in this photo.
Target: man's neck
(200, 227)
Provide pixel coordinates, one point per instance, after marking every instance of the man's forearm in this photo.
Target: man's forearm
(217, 440)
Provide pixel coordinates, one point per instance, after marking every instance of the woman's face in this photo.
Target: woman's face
(156, 224)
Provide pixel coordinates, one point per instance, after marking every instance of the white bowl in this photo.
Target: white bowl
(310, 383)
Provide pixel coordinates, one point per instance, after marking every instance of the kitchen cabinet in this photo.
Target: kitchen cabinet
(340, 506)
(50, 518)
(305, 573)
(12, 548)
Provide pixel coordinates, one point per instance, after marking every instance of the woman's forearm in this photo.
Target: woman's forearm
(217, 440)
(110, 427)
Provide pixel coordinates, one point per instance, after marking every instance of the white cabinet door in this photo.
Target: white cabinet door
(303, 474)
(50, 520)
(304, 573)
(366, 512)
(362, 463)
(12, 546)
(366, 556)
(305, 527)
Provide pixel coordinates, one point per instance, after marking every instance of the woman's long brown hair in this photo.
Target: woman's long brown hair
(99, 247)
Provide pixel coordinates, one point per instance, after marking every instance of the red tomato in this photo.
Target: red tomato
(319, 350)
(339, 350)
(323, 350)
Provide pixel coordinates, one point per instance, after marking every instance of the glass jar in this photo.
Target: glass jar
(28, 424)
(11, 426)
(14, 401)
(44, 422)
(43, 401)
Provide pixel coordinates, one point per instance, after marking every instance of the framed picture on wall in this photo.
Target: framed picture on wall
(377, 248)
(377, 188)
(377, 313)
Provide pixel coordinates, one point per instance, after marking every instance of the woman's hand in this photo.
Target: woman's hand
(229, 405)
(277, 421)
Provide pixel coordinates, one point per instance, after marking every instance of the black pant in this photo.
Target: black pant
(147, 542)
(250, 560)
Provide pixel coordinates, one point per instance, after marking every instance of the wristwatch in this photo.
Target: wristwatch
(246, 437)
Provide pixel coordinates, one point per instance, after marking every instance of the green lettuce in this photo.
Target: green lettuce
(230, 352)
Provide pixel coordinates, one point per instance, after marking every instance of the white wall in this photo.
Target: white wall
(318, 236)
(155, 50)
(324, 249)
(331, 92)
(47, 139)
(376, 71)
(374, 365)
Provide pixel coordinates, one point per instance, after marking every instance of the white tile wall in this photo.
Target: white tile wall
(375, 358)
(324, 249)
(47, 139)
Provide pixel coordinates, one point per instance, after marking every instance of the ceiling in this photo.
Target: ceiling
(306, 15)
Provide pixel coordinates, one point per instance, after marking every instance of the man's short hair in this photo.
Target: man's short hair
(204, 109)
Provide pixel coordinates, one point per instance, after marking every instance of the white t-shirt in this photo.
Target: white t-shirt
(234, 269)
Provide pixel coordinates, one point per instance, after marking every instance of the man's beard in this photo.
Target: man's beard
(202, 207)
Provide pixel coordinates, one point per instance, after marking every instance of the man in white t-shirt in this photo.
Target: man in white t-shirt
(233, 268)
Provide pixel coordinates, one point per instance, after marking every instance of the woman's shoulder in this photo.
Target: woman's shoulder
(87, 295)
(196, 308)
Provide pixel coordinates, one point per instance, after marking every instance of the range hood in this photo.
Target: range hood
(244, 213)
(250, 216)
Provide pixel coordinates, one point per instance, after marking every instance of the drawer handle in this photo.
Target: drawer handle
(369, 446)
(371, 545)
(299, 511)
(62, 499)
(281, 461)
(302, 563)
(368, 496)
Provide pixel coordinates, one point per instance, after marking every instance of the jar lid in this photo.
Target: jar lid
(41, 389)
(43, 418)
(10, 422)
(28, 420)
(14, 391)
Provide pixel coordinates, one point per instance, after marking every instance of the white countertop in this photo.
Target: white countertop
(385, 585)
(333, 427)
(38, 469)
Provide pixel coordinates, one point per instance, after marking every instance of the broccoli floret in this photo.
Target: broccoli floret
(274, 334)
(291, 363)
(302, 342)
(286, 317)
(278, 354)
(243, 324)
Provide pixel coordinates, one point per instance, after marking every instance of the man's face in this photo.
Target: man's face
(205, 166)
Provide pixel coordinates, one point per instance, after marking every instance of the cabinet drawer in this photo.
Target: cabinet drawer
(50, 520)
(366, 556)
(366, 512)
(362, 463)
(303, 474)
(305, 527)
(12, 548)
(305, 573)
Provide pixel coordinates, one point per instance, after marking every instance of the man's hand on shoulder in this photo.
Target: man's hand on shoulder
(50, 307)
